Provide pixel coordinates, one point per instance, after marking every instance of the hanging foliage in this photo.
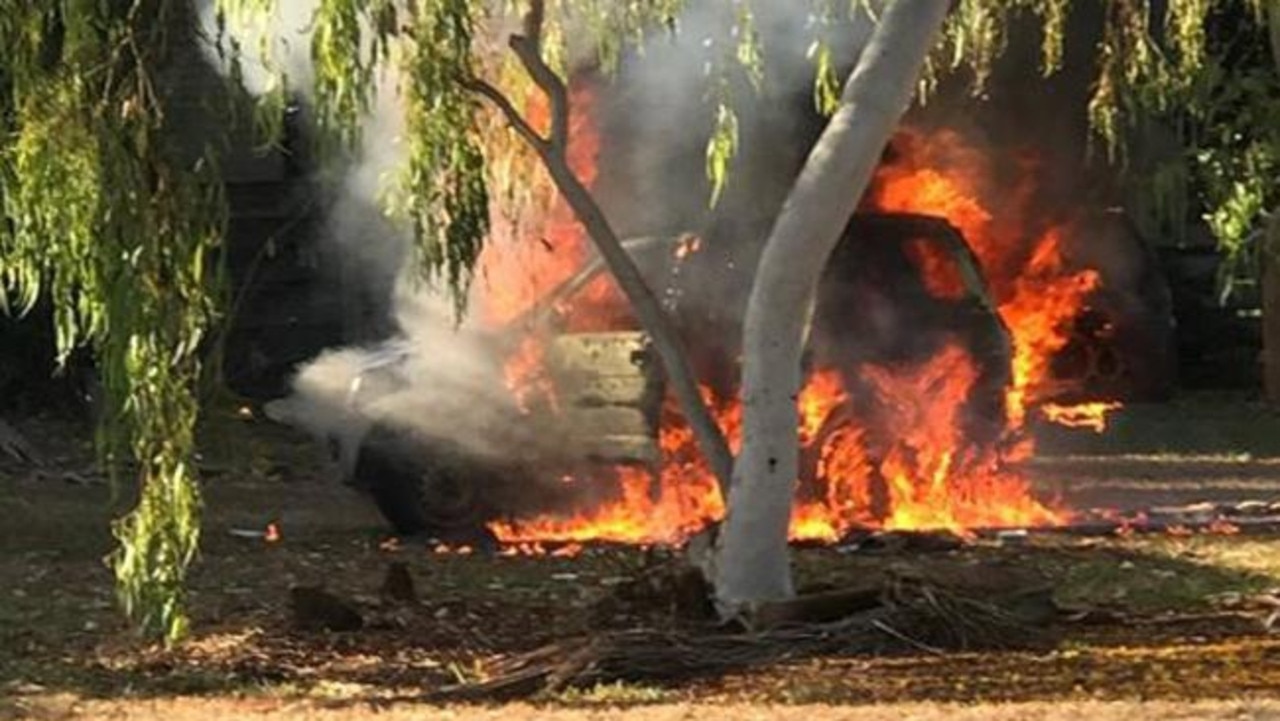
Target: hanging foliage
(101, 216)
(1221, 95)
(447, 196)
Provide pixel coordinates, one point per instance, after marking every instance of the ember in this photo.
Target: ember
(910, 463)
(1082, 415)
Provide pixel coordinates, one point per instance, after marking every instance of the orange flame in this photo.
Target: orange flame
(1036, 295)
(527, 257)
(934, 479)
(1092, 416)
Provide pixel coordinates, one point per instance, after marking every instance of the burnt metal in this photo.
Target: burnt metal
(428, 485)
(608, 396)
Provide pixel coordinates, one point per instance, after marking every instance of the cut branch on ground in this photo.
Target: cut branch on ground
(903, 615)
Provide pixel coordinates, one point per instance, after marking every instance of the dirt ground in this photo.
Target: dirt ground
(191, 709)
(1154, 627)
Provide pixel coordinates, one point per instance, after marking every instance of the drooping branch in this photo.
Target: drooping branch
(101, 216)
(553, 150)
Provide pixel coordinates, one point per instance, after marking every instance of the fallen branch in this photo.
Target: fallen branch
(912, 615)
(818, 607)
(14, 445)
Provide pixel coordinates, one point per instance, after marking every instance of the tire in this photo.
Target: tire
(425, 487)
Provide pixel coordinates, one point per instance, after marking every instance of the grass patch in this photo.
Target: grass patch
(1163, 575)
(613, 694)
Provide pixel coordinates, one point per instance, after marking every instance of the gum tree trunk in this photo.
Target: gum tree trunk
(752, 564)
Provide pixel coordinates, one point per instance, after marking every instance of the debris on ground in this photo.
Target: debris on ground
(398, 585)
(315, 609)
(905, 614)
(17, 447)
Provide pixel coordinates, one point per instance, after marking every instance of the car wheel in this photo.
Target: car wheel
(423, 486)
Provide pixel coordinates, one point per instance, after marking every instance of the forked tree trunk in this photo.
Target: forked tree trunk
(752, 564)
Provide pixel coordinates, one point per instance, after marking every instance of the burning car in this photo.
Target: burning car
(595, 424)
(950, 319)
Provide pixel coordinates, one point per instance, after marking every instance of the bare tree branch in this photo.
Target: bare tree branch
(545, 78)
(653, 318)
(505, 106)
(533, 21)
(528, 48)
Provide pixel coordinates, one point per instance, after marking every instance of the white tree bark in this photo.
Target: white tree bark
(752, 564)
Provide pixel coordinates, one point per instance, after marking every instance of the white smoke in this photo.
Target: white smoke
(366, 245)
(283, 46)
(662, 108)
(450, 384)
